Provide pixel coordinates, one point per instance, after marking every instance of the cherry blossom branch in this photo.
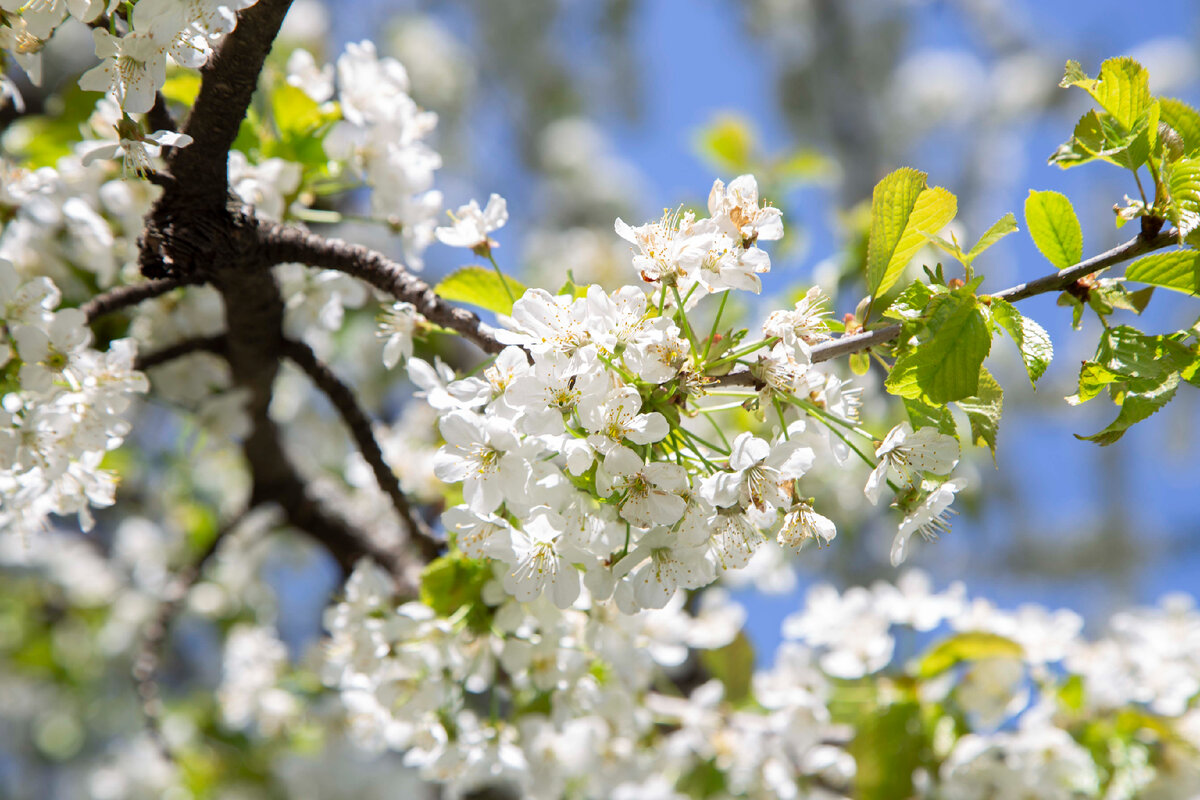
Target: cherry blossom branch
(125, 296)
(200, 344)
(148, 657)
(283, 244)
(1055, 281)
(227, 83)
(356, 420)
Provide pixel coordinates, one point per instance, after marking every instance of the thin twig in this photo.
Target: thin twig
(149, 654)
(343, 399)
(282, 244)
(125, 296)
(200, 344)
(1055, 281)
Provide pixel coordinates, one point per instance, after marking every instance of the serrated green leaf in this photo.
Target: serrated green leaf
(1054, 227)
(1183, 184)
(1093, 378)
(1141, 372)
(1122, 88)
(1072, 74)
(733, 665)
(903, 212)
(983, 411)
(1135, 407)
(972, 646)
(1031, 338)
(924, 415)
(480, 286)
(934, 209)
(909, 304)
(1000, 228)
(892, 202)
(945, 363)
(728, 142)
(1184, 120)
(1178, 270)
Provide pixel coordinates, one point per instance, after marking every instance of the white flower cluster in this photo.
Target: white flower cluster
(381, 134)
(571, 705)
(61, 409)
(576, 448)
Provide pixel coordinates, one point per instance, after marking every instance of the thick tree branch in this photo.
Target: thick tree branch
(1055, 281)
(356, 420)
(228, 82)
(159, 116)
(125, 296)
(200, 344)
(282, 244)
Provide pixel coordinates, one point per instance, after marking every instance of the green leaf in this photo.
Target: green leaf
(972, 646)
(983, 411)
(1031, 338)
(480, 286)
(1178, 270)
(889, 745)
(733, 665)
(1184, 120)
(925, 415)
(860, 363)
(1000, 228)
(934, 209)
(1135, 407)
(1054, 227)
(1183, 184)
(182, 87)
(1122, 88)
(294, 112)
(903, 210)
(728, 142)
(1141, 373)
(945, 362)
(909, 304)
(452, 581)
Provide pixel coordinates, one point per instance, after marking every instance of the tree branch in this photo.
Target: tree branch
(1055, 281)
(125, 296)
(356, 420)
(282, 244)
(228, 82)
(200, 344)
